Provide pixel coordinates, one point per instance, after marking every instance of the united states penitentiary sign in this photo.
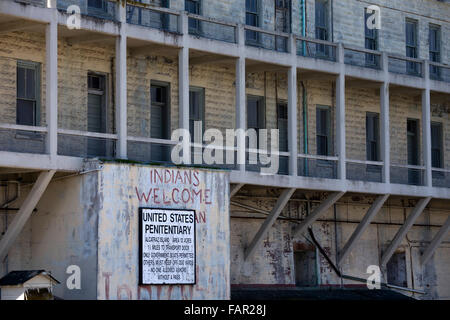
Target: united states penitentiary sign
(167, 246)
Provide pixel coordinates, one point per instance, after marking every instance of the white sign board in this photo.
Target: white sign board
(166, 246)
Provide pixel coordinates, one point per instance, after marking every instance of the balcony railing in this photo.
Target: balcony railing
(316, 166)
(153, 17)
(20, 138)
(105, 9)
(441, 177)
(318, 49)
(266, 39)
(362, 57)
(408, 174)
(439, 71)
(405, 65)
(212, 29)
(360, 170)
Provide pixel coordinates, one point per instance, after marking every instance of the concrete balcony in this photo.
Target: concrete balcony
(191, 39)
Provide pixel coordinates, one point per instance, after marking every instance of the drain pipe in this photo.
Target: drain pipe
(304, 94)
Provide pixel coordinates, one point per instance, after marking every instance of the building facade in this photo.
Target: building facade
(92, 90)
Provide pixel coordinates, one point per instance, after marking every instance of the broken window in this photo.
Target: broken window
(396, 270)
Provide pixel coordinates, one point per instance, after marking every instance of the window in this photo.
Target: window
(96, 113)
(436, 145)
(282, 115)
(411, 46)
(28, 93)
(413, 150)
(196, 109)
(372, 136)
(435, 49)
(371, 41)
(282, 22)
(97, 4)
(193, 6)
(256, 117)
(323, 131)
(321, 25)
(159, 119)
(396, 270)
(251, 19)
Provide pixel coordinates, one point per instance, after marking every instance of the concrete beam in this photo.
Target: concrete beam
(437, 240)
(24, 212)
(86, 38)
(210, 59)
(362, 226)
(279, 206)
(236, 189)
(401, 233)
(262, 67)
(153, 50)
(18, 25)
(317, 212)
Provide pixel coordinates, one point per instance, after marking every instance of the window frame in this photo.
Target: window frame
(252, 37)
(37, 67)
(441, 144)
(329, 134)
(374, 116)
(412, 67)
(167, 104)
(201, 91)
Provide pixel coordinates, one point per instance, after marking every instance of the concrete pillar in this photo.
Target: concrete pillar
(385, 125)
(121, 87)
(51, 94)
(241, 107)
(292, 108)
(340, 114)
(426, 126)
(183, 86)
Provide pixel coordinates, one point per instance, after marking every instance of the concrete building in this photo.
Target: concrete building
(91, 91)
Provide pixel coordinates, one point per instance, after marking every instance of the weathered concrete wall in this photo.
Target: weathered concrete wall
(125, 188)
(62, 232)
(273, 262)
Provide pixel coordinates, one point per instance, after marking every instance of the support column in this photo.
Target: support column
(27, 207)
(426, 126)
(340, 113)
(241, 107)
(268, 223)
(51, 94)
(183, 87)
(385, 125)
(292, 108)
(437, 240)
(401, 233)
(121, 87)
(362, 226)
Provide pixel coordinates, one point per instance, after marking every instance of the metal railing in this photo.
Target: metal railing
(77, 143)
(405, 65)
(407, 174)
(266, 39)
(439, 71)
(440, 177)
(211, 28)
(105, 9)
(146, 15)
(316, 166)
(23, 139)
(362, 170)
(362, 57)
(315, 48)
